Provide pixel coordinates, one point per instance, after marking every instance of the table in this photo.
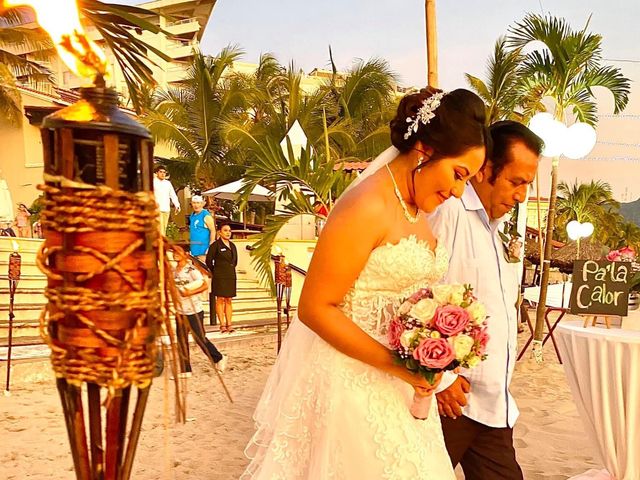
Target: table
(558, 296)
(603, 370)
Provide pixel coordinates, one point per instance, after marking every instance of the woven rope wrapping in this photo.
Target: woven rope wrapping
(123, 355)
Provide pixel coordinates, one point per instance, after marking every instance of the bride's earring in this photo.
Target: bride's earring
(420, 160)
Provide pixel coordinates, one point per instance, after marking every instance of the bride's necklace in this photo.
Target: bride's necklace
(410, 218)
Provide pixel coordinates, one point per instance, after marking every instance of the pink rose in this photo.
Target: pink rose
(480, 336)
(435, 353)
(396, 329)
(614, 256)
(451, 319)
(628, 253)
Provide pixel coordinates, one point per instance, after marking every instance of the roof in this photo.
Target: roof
(57, 95)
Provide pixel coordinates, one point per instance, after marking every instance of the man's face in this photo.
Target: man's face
(197, 206)
(161, 174)
(512, 183)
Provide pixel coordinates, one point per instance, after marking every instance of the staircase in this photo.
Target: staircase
(253, 308)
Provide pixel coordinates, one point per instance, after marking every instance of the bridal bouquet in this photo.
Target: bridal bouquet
(437, 329)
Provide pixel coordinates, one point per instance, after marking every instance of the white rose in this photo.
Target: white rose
(462, 345)
(442, 293)
(478, 312)
(457, 294)
(424, 310)
(407, 337)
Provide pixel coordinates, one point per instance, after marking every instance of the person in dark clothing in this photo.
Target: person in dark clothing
(222, 259)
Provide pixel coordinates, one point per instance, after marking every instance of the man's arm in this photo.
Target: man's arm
(174, 198)
(452, 391)
(211, 225)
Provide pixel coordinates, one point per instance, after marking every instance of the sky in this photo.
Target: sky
(302, 30)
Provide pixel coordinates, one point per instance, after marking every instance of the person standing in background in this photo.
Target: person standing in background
(222, 260)
(23, 226)
(202, 228)
(165, 195)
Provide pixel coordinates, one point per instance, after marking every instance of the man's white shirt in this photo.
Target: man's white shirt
(165, 195)
(476, 256)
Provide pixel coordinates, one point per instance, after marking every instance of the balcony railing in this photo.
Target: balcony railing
(183, 21)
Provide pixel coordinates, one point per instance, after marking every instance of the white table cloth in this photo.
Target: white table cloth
(603, 370)
(558, 295)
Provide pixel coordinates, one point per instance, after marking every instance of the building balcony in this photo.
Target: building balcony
(180, 50)
(183, 27)
(176, 74)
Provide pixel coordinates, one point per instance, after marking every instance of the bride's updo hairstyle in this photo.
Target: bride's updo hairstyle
(458, 124)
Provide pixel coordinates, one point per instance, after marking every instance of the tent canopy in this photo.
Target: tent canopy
(230, 191)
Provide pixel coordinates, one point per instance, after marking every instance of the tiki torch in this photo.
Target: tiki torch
(102, 256)
(15, 262)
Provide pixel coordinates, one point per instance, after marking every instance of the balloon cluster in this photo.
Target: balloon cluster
(577, 230)
(573, 142)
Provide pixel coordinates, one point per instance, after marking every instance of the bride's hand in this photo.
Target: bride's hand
(422, 386)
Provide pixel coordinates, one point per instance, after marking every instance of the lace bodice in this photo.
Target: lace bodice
(392, 273)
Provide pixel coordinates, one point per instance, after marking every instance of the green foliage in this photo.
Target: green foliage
(569, 67)
(173, 232)
(299, 183)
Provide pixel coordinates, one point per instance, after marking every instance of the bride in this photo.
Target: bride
(335, 405)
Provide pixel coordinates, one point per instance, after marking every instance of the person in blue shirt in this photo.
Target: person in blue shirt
(202, 228)
(477, 410)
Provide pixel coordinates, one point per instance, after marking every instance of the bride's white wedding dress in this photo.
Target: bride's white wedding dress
(324, 415)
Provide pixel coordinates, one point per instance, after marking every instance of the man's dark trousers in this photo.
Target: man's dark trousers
(485, 453)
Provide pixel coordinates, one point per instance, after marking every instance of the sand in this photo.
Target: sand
(550, 440)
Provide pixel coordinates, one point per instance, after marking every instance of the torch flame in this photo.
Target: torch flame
(16, 246)
(61, 20)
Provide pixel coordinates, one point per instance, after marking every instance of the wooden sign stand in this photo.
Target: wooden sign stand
(593, 319)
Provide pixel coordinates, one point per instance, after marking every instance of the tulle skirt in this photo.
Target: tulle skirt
(324, 415)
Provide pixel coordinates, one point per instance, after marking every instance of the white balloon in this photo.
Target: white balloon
(581, 138)
(555, 138)
(586, 229)
(551, 131)
(538, 122)
(574, 229)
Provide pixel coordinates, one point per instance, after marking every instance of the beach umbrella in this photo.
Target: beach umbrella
(230, 191)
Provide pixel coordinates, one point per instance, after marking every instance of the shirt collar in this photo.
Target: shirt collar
(470, 199)
(472, 202)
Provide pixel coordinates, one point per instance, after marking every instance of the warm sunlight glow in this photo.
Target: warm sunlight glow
(60, 18)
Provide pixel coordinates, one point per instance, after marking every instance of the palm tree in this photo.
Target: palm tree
(299, 181)
(503, 88)
(567, 72)
(117, 24)
(190, 118)
(587, 202)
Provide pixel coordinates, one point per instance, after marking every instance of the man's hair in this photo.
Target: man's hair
(159, 168)
(504, 135)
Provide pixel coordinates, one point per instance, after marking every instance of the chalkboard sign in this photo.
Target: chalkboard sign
(600, 287)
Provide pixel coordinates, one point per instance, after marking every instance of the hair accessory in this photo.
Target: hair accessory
(425, 113)
(197, 198)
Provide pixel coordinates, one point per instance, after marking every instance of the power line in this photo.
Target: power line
(620, 144)
(621, 60)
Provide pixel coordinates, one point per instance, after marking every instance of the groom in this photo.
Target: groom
(478, 412)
